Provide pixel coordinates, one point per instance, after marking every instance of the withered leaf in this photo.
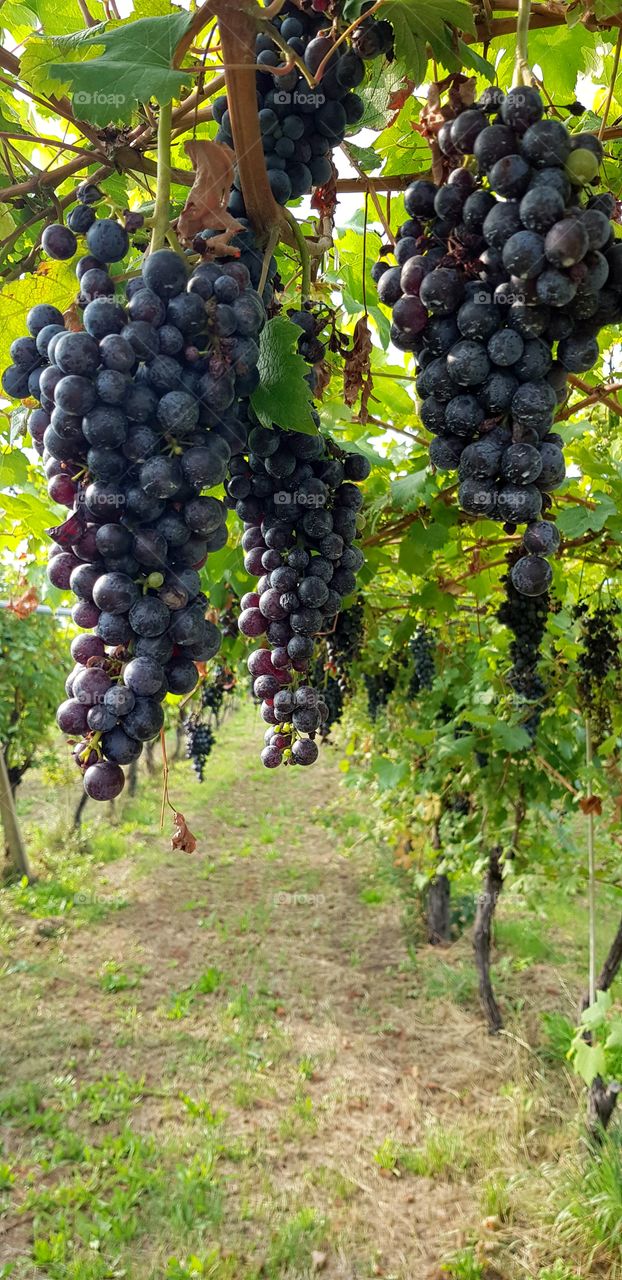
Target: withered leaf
(398, 99)
(591, 804)
(182, 837)
(206, 204)
(357, 379)
(25, 604)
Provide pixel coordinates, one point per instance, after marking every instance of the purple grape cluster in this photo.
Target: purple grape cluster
(504, 277)
(301, 123)
(524, 614)
(140, 413)
(299, 499)
(200, 739)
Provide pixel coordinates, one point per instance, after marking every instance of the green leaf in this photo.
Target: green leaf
(382, 80)
(284, 396)
(614, 1039)
(469, 57)
(410, 48)
(589, 1061)
(19, 19)
(135, 67)
(595, 1015)
(367, 158)
(511, 736)
(58, 16)
(35, 64)
(406, 492)
(390, 773)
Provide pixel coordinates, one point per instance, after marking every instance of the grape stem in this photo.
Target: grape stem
(345, 35)
(163, 189)
(521, 66)
(305, 260)
(612, 83)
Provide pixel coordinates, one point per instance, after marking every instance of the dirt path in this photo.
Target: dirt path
(347, 1124)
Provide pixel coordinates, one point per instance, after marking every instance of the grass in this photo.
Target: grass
(243, 1064)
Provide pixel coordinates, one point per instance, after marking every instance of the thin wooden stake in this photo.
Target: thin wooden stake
(591, 868)
(10, 825)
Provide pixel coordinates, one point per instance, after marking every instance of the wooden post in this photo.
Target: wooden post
(8, 818)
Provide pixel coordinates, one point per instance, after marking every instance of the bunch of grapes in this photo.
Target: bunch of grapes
(344, 643)
(525, 616)
(379, 686)
(212, 697)
(199, 742)
(504, 278)
(140, 412)
(422, 649)
(302, 123)
(332, 694)
(299, 499)
(599, 654)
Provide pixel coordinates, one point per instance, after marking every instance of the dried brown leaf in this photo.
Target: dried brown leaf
(206, 204)
(25, 604)
(357, 379)
(182, 837)
(591, 804)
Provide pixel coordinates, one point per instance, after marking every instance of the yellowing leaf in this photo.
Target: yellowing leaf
(55, 284)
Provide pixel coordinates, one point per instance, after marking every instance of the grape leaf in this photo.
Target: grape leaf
(134, 67)
(367, 158)
(407, 491)
(57, 16)
(35, 68)
(18, 19)
(510, 736)
(589, 1061)
(383, 81)
(284, 396)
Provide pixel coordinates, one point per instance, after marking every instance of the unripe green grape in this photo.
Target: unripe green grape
(581, 167)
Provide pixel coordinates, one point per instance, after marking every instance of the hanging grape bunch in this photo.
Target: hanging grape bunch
(525, 616)
(331, 693)
(504, 278)
(301, 122)
(199, 743)
(344, 643)
(139, 413)
(422, 648)
(599, 655)
(299, 499)
(379, 686)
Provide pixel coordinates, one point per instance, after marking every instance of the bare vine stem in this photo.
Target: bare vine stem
(162, 210)
(591, 866)
(521, 65)
(612, 85)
